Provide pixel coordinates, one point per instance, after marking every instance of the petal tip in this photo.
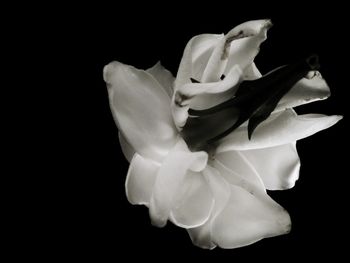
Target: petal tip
(108, 71)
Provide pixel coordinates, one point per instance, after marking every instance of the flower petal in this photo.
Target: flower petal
(169, 179)
(195, 58)
(237, 170)
(243, 51)
(195, 202)
(248, 218)
(278, 166)
(140, 180)
(201, 236)
(127, 149)
(140, 107)
(194, 95)
(163, 76)
(280, 128)
(239, 217)
(305, 91)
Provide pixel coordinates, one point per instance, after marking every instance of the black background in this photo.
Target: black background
(86, 211)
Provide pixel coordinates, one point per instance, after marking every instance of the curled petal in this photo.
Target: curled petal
(280, 128)
(305, 91)
(169, 179)
(163, 76)
(195, 58)
(278, 166)
(191, 95)
(140, 107)
(243, 51)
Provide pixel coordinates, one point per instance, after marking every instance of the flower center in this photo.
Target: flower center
(254, 100)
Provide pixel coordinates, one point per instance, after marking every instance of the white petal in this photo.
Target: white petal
(202, 95)
(237, 170)
(201, 236)
(305, 91)
(248, 218)
(140, 180)
(195, 202)
(163, 76)
(169, 179)
(141, 109)
(195, 58)
(277, 166)
(127, 149)
(280, 128)
(251, 72)
(243, 51)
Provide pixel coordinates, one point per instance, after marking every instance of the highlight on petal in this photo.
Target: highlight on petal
(140, 180)
(305, 91)
(141, 109)
(194, 202)
(280, 128)
(163, 76)
(247, 219)
(170, 178)
(243, 51)
(278, 166)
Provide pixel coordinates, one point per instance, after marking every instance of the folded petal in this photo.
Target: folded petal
(141, 109)
(278, 166)
(127, 149)
(280, 128)
(195, 58)
(169, 179)
(163, 76)
(248, 218)
(140, 180)
(305, 91)
(194, 202)
(243, 51)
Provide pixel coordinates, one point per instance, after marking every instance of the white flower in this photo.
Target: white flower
(216, 190)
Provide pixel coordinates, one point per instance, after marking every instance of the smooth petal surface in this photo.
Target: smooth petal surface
(278, 166)
(195, 202)
(163, 76)
(127, 149)
(305, 91)
(169, 179)
(237, 170)
(141, 109)
(195, 58)
(280, 128)
(243, 51)
(140, 180)
(248, 218)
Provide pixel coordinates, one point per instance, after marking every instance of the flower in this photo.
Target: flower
(204, 147)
